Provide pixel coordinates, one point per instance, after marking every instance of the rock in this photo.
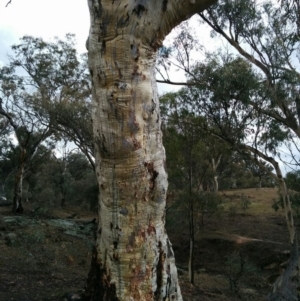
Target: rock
(72, 216)
(17, 220)
(5, 202)
(10, 239)
(248, 291)
(200, 271)
(72, 297)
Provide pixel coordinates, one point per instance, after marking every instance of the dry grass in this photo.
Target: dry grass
(261, 199)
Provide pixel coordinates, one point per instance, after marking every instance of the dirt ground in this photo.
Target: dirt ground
(46, 253)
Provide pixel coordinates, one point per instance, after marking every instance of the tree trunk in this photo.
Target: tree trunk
(191, 226)
(192, 241)
(133, 257)
(18, 185)
(17, 200)
(214, 169)
(287, 285)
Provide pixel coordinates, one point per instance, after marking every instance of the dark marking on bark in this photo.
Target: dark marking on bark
(135, 209)
(151, 230)
(164, 5)
(153, 173)
(120, 73)
(100, 231)
(116, 256)
(97, 10)
(123, 22)
(132, 123)
(115, 243)
(123, 211)
(139, 10)
(155, 42)
(103, 149)
(159, 272)
(153, 107)
(135, 74)
(131, 239)
(111, 226)
(135, 52)
(103, 48)
(136, 144)
(98, 285)
(91, 73)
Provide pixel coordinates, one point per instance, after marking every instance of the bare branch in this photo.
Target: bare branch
(175, 83)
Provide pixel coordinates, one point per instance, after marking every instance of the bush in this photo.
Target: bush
(236, 268)
(245, 203)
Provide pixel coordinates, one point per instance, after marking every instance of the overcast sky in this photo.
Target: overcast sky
(50, 18)
(42, 18)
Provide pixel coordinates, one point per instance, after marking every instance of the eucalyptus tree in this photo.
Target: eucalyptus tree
(192, 159)
(267, 35)
(133, 258)
(45, 90)
(25, 123)
(227, 87)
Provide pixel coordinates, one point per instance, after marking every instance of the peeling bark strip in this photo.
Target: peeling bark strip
(133, 259)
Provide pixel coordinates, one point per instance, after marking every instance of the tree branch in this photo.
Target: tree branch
(175, 83)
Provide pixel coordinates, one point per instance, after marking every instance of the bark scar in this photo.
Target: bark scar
(153, 174)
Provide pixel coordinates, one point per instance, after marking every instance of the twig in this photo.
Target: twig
(9, 2)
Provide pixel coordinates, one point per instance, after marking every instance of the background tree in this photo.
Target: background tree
(193, 159)
(45, 90)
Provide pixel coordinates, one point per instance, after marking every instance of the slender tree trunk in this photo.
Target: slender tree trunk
(233, 183)
(18, 185)
(215, 177)
(216, 184)
(133, 257)
(286, 287)
(191, 226)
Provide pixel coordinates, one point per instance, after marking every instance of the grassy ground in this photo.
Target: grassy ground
(40, 260)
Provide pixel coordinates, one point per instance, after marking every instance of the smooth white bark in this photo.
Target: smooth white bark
(133, 252)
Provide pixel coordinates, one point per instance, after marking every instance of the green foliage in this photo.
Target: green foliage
(237, 268)
(205, 204)
(45, 97)
(245, 203)
(292, 180)
(265, 35)
(36, 237)
(294, 199)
